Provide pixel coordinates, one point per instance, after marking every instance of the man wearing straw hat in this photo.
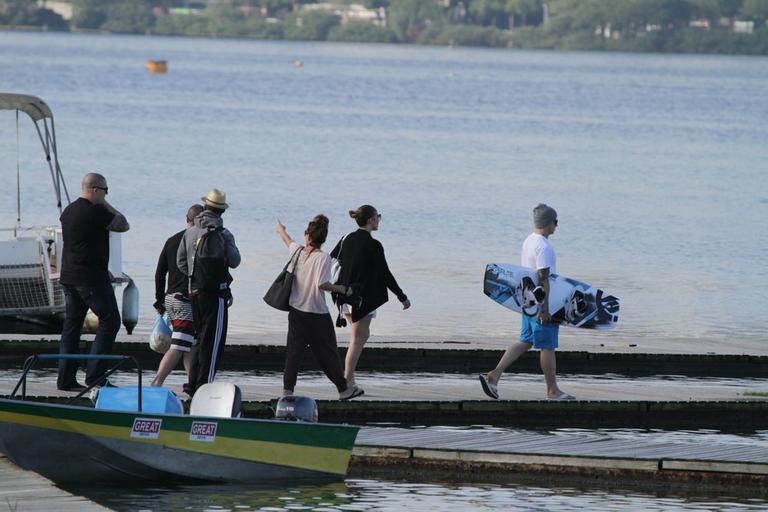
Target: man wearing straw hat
(206, 252)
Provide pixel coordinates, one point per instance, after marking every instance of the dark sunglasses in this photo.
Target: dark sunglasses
(105, 189)
(555, 221)
(378, 216)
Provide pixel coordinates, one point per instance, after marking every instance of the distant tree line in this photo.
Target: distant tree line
(709, 26)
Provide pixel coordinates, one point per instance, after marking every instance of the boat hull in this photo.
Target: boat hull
(80, 444)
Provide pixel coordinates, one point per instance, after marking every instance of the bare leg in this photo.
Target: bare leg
(549, 368)
(167, 364)
(187, 361)
(360, 331)
(509, 357)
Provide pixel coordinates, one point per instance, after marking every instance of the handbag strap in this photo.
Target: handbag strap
(341, 247)
(290, 260)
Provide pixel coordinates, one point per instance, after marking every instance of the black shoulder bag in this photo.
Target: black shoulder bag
(279, 293)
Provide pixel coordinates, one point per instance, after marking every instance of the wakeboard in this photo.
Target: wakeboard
(571, 302)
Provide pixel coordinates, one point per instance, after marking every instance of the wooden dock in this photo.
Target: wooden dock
(475, 450)
(440, 399)
(445, 357)
(645, 414)
(26, 491)
(730, 416)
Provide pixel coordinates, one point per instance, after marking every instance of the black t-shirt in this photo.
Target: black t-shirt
(166, 264)
(85, 255)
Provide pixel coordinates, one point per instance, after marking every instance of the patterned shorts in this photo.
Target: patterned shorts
(179, 309)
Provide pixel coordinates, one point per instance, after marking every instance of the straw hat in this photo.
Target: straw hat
(216, 198)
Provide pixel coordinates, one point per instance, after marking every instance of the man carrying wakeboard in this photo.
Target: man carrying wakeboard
(540, 333)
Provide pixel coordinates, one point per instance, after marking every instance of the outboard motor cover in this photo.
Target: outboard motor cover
(296, 408)
(218, 399)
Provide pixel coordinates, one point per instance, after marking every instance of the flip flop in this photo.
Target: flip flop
(489, 389)
(356, 392)
(562, 396)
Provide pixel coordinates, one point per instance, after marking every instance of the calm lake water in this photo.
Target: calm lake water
(386, 495)
(655, 163)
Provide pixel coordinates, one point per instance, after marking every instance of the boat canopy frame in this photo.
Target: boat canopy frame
(42, 117)
(32, 361)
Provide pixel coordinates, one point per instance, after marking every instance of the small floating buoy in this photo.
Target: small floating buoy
(157, 66)
(130, 306)
(298, 63)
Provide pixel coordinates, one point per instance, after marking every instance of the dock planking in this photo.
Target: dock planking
(738, 416)
(444, 399)
(27, 491)
(731, 416)
(446, 357)
(514, 451)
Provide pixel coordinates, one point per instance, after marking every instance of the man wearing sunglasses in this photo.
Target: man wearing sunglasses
(540, 332)
(85, 226)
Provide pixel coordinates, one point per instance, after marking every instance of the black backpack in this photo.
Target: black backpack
(210, 267)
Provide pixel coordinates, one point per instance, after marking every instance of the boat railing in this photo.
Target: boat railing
(32, 361)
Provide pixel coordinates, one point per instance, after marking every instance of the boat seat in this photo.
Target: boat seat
(153, 400)
(218, 399)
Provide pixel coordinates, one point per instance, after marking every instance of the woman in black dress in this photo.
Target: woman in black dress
(364, 267)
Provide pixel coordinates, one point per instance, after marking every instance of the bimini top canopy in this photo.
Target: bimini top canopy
(33, 106)
(42, 117)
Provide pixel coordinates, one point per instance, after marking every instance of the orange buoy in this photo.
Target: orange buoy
(157, 66)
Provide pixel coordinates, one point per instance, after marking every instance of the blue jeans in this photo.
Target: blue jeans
(101, 300)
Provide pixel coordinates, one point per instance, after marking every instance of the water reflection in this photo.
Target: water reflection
(387, 495)
(220, 497)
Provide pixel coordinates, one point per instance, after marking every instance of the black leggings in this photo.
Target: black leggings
(315, 330)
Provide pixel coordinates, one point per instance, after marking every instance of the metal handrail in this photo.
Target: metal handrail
(28, 228)
(31, 361)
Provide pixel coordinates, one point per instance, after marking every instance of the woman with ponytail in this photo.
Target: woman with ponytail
(364, 268)
(309, 322)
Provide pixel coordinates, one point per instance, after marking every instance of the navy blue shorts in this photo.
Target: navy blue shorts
(542, 336)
